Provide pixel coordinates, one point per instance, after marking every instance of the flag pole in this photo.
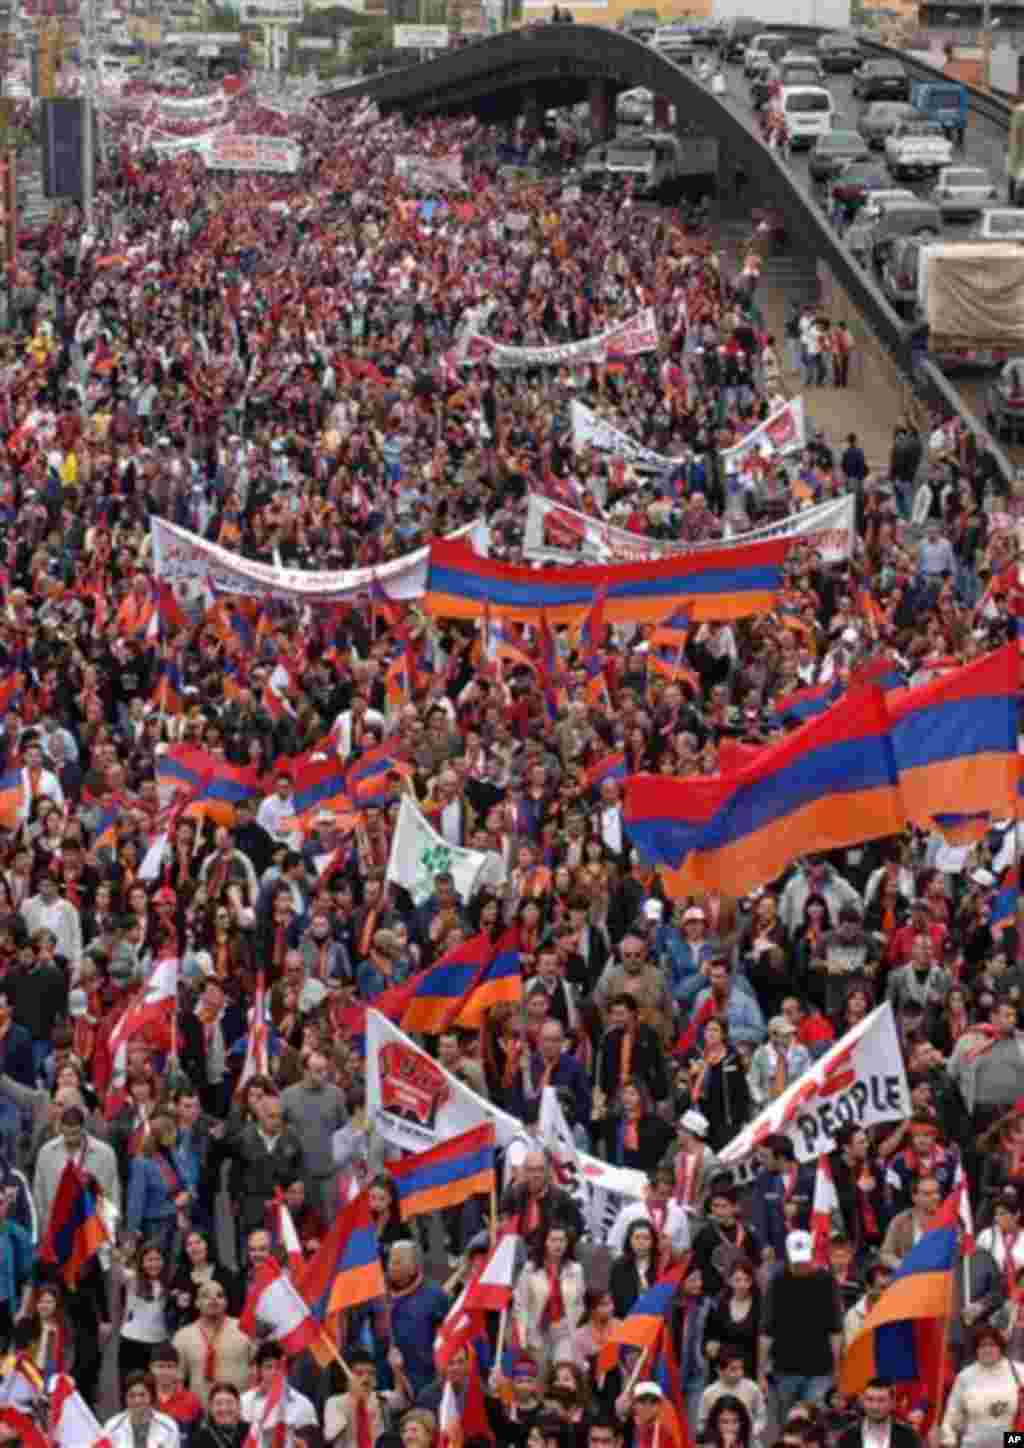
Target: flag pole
(500, 1345)
(638, 1368)
(324, 1338)
(494, 1211)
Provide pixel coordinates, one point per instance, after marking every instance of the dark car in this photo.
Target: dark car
(857, 179)
(881, 80)
(898, 220)
(839, 52)
(831, 153)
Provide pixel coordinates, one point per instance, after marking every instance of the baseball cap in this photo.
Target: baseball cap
(800, 1247)
(693, 912)
(696, 1122)
(647, 1390)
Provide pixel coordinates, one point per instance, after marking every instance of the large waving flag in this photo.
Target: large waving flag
(75, 1231)
(491, 1289)
(257, 1045)
(345, 1269)
(955, 740)
(446, 1175)
(726, 583)
(152, 1015)
(72, 1422)
(901, 1339)
(500, 982)
(215, 787)
(643, 1323)
(275, 1304)
(368, 778)
(671, 1425)
(824, 1208)
(444, 988)
(12, 799)
(804, 704)
(319, 784)
(829, 784)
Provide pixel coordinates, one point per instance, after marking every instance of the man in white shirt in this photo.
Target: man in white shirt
(611, 817)
(36, 781)
(276, 813)
(298, 1410)
(47, 910)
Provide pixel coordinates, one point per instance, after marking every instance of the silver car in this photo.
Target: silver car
(963, 190)
(880, 118)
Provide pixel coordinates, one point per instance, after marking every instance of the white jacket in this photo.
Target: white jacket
(531, 1298)
(163, 1432)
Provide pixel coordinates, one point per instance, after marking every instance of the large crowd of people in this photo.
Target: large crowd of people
(272, 362)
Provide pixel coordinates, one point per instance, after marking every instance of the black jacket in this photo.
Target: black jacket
(901, 1435)
(259, 1171)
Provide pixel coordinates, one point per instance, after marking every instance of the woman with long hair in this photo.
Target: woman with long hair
(549, 1297)
(386, 1215)
(599, 1321)
(157, 1183)
(145, 1315)
(1001, 1151)
(52, 1347)
(639, 1137)
(735, 1319)
(194, 1265)
(728, 1424)
(636, 1268)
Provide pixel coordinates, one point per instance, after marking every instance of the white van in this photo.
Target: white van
(808, 112)
(1001, 223)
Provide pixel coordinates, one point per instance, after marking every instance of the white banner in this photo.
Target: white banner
(414, 1103)
(783, 431)
(860, 1081)
(419, 854)
(420, 37)
(431, 173)
(252, 153)
(556, 533)
(626, 339)
(180, 556)
(271, 12)
(590, 429)
(192, 108)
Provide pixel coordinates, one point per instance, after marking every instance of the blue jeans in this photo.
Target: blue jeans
(793, 1388)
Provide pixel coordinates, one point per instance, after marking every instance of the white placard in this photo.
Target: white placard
(315, 42)
(272, 12)
(203, 37)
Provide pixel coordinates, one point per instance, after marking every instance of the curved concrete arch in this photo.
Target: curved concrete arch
(570, 56)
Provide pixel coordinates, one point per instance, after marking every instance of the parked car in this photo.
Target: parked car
(880, 80)
(807, 111)
(859, 179)
(880, 117)
(675, 43)
(897, 219)
(832, 152)
(898, 271)
(762, 50)
(1004, 404)
(963, 190)
(1001, 223)
(838, 52)
(804, 69)
(917, 148)
(639, 24)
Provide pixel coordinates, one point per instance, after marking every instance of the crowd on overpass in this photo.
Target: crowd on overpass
(275, 363)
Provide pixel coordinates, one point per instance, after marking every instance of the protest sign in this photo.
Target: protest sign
(860, 1081)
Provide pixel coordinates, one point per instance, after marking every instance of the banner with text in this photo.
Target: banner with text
(630, 338)
(414, 1103)
(589, 429)
(783, 431)
(252, 153)
(557, 533)
(431, 173)
(181, 557)
(860, 1081)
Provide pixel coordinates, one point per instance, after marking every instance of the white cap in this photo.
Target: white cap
(693, 912)
(653, 910)
(647, 1389)
(983, 877)
(696, 1122)
(800, 1247)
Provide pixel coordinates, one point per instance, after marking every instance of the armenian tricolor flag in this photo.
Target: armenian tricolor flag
(643, 1324)
(610, 766)
(499, 983)
(168, 696)
(216, 786)
(1003, 910)
(726, 583)
(446, 1175)
(444, 987)
(12, 799)
(672, 1427)
(807, 703)
(319, 785)
(105, 836)
(902, 1334)
(74, 1233)
(367, 778)
(955, 740)
(345, 1269)
(829, 784)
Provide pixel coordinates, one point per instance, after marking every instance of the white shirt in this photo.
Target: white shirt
(273, 815)
(611, 827)
(451, 822)
(298, 1412)
(676, 1226)
(62, 920)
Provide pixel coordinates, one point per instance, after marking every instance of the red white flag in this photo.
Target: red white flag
(271, 1427)
(72, 1422)
(964, 1213)
(449, 1421)
(491, 1290)
(151, 1015)
(823, 1208)
(257, 1049)
(274, 1303)
(286, 1233)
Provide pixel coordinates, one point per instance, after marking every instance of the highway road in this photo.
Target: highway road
(984, 145)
